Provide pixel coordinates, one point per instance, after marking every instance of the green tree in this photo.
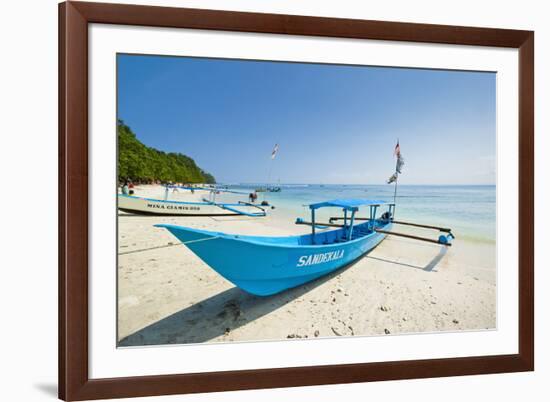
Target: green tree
(141, 163)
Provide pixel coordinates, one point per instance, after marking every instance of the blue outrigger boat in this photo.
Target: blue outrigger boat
(264, 265)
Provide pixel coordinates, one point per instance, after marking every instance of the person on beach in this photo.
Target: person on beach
(125, 188)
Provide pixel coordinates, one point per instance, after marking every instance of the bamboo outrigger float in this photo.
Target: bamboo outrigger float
(265, 265)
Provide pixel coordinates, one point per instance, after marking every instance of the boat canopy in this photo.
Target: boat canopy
(349, 204)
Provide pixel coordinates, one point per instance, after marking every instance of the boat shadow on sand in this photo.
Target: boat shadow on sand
(217, 315)
(429, 267)
(231, 309)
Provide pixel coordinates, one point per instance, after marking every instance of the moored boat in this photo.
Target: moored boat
(151, 206)
(205, 207)
(273, 189)
(264, 265)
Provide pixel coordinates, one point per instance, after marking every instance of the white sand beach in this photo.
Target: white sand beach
(166, 295)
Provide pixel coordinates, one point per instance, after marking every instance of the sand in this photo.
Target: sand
(166, 295)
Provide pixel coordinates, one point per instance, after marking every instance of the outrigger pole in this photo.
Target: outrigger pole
(419, 225)
(444, 240)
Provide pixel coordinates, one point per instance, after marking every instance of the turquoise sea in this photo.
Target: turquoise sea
(469, 210)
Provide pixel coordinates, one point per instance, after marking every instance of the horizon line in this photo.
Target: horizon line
(356, 184)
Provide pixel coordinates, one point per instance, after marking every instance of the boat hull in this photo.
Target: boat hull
(265, 266)
(148, 206)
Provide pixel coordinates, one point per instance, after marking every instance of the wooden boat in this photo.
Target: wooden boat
(264, 265)
(268, 190)
(206, 207)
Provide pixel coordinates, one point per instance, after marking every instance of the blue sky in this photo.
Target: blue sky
(333, 123)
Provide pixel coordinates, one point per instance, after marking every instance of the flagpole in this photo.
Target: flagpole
(269, 172)
(395, 193)
(268, 178)
(273, 153)
(396, 178)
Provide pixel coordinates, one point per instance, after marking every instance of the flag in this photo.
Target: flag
(397, 150)
(274, 152)
(398, 164)
(400, 161)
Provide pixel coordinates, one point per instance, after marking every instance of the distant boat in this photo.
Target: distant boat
(268, 189)
(151, 206)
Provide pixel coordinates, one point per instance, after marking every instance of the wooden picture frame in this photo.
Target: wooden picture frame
(74, 381)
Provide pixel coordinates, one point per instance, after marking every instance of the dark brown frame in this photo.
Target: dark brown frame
(74, 17)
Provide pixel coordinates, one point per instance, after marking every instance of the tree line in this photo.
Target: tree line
(140, 163)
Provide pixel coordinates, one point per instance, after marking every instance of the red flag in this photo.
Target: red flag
(397, 150)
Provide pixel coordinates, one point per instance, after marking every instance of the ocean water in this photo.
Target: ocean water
(470, 211)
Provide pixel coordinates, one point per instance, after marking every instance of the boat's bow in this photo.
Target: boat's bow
(188, 236)
(253, 263)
